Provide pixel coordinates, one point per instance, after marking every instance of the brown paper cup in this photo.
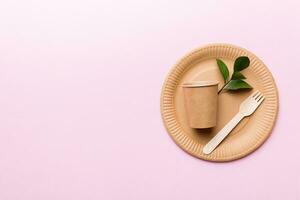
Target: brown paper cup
(201, 103)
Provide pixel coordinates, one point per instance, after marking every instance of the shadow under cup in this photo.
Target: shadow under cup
(201, 103)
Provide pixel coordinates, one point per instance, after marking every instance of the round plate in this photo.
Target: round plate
(249, 134)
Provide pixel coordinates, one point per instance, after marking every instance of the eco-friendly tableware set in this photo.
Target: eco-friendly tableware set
(212, 126)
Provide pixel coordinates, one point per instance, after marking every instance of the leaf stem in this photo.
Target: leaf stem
(223, 87)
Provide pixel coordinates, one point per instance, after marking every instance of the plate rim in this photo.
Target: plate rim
(232, 157)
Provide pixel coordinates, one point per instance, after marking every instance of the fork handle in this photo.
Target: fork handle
(215, 141)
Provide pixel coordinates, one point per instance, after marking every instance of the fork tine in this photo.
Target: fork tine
(261, 100)
(255, 94)
(258, 97)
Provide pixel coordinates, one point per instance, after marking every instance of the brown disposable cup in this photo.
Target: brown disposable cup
(201, 103)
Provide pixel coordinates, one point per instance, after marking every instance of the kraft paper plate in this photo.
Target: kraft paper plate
(200, 65)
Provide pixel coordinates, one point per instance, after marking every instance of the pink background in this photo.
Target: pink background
(80, 86)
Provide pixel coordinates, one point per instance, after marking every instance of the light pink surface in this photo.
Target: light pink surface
(80, 86)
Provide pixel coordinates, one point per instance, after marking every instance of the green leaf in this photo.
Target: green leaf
(241, 63)
(237, 75)
(223, 69)
(237, 84)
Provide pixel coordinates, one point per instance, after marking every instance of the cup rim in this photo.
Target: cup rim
(200, 84)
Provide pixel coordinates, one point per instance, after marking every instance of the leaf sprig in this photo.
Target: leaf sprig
(236, 82)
